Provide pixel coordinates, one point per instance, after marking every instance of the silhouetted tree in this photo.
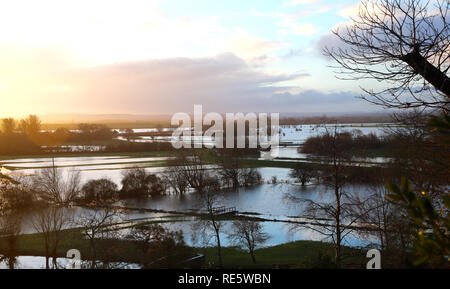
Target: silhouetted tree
(403, 44)
(302, 173)
(432, 223)
(10, 229)
(96, 224)
(8, 125)
(248, 234)
(339, 209)
(30, 126)
(211, 225)
(54, 187)
(193, 165)
(161, 248)
(137, 182)
(175, 179)
(99, 190)
(49, 222)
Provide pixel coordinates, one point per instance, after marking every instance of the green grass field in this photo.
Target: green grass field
(298, 254)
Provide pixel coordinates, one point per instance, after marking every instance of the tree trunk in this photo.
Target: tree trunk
(235, 183)
(47, 257)
(11, 262)
(338, 228)
(253, 256)
(428, 71)
(55, 265)
(94, 253)
(219, 249)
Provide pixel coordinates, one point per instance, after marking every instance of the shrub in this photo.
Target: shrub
(99, 191)
(137, 183)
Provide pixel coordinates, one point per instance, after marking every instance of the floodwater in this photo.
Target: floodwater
(78, 161)
(280, 201)
(38, 262)
(278, 233)
(269, 201)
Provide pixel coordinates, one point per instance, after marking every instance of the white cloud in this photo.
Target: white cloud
(249, 47)
(289, 22)
(224, 83)
(105, 31)
(349, 11)
(305, 29)
(290, 25)
(298, 2)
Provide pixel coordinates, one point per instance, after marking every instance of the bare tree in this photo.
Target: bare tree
(231, 171)
(145, 235)
(161, 248)
(249, 234)
(136, 182)
(418, 154)
(193, 166)
(10, 229)
(235, 175)
(49, 222)
(30, 126)
(15, 199)
(211, 222)
(55, 188)
(101, 190)
(8, 125)
(302, 173)
(388, 223)
(175, 180)
(404, 44)
(97, 228)
(337, 210)
(249, 177)
(128, 133)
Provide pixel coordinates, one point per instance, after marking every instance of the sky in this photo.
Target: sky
(162, 57)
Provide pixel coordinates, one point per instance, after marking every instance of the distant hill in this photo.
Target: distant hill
(101, 118)
(120, 121)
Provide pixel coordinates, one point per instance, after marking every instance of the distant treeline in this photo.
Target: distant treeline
(26, 136)
(355, 143)
(382, 118)
(164, 122)
(112, 124)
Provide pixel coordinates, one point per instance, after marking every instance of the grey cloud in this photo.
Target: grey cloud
(224, 83)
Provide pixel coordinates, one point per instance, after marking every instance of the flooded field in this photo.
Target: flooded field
(277, 203)
(38, 262)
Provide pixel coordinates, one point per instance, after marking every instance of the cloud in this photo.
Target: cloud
(166, 85)
(102, 32)
(330, 40)
(289, 21)
(131, 58)
(251, 48)
(298, 2)
(225, 83)
(349, 11)
(304, 29)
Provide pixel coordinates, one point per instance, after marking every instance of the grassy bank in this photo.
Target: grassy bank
(298, 254)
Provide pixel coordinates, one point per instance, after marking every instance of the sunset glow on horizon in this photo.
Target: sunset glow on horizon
(150, 57)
